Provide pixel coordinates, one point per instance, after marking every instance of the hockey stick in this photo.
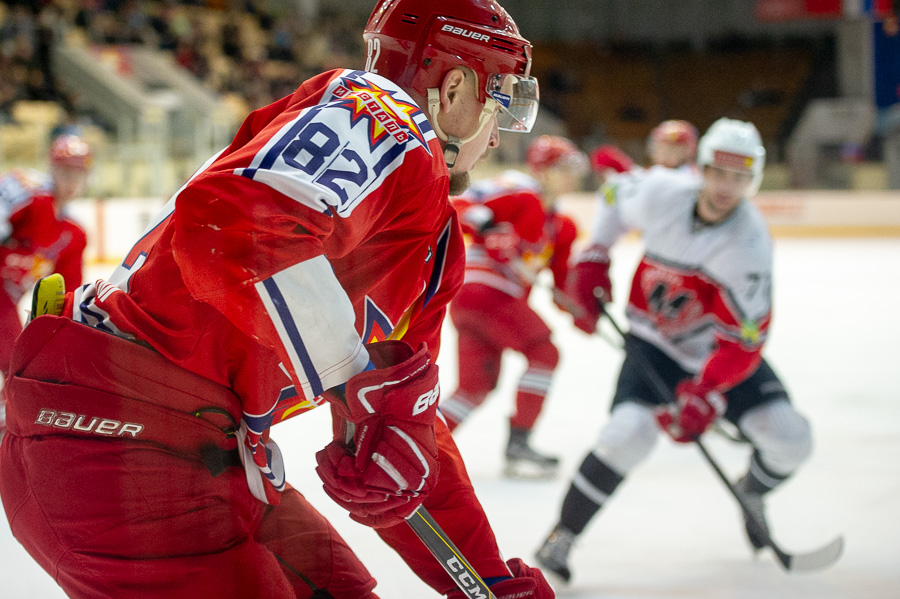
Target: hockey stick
(424, 525)
(440, 546)
(792, 562)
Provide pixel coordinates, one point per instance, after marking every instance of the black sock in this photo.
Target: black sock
(593, 484)
(761, 480)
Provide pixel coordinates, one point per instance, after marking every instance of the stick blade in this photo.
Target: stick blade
(818, 559)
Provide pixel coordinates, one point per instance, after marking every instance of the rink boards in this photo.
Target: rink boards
(114, 224)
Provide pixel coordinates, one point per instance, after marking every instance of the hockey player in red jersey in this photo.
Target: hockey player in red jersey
(37, 236)
(516, 232)
(139, 461)
(699, 311)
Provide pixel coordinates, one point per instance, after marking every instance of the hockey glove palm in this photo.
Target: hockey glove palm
(393, 463)
(589, 286)
(698, 405)
(527, 583)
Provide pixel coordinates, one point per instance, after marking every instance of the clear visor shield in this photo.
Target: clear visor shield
(518, 98)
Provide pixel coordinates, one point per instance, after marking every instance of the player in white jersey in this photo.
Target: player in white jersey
(699, 310)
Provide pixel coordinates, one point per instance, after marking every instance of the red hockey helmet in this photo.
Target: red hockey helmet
(71, 151)
(676, 132)
(611, 157)
(415, 42)
(551, 150)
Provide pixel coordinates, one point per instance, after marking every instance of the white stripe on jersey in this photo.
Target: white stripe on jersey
(315, 321)
(497, 281)
(502, 184)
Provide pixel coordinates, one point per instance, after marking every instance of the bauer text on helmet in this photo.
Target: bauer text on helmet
(415, 42)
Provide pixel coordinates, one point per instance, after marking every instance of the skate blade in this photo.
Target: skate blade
(529, 470)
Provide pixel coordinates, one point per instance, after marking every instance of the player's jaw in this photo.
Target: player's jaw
(723, 190)
(470, 154)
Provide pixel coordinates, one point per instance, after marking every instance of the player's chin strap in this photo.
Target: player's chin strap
(452, 144)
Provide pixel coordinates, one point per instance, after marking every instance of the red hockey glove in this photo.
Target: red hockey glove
(698, 407)
(528, 583)
(393, 465)
(590, 287)
(501, 242)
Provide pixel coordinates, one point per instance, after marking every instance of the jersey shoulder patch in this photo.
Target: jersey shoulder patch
(19, 185)
(335, 153)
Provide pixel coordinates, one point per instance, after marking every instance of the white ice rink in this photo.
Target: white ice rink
(672, 531)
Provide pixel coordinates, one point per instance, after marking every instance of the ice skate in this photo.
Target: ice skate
(524, 462)
(553, 556)
(757, 507)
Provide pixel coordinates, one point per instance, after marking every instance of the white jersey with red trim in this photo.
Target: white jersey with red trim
(701, 293)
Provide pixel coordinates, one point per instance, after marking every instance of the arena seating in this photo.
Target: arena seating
(623, 95)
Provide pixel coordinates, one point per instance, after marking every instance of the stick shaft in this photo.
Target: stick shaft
(439, 544)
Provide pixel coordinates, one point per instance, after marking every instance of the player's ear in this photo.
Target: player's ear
(452, 87)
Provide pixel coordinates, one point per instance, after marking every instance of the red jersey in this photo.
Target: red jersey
(546, 236)
(37, 239)
(323, 226)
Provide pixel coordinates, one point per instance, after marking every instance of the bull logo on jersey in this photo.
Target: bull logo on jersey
(387, 114)
(670, 302)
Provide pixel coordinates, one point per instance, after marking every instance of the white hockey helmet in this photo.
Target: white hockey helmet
(735, 145)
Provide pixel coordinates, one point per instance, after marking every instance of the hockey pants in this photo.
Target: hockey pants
(10, 327)
(115, 478)
(489, 321)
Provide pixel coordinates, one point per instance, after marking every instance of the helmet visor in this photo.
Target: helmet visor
(518, 98)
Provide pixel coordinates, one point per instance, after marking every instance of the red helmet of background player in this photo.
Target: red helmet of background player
(550, 150)
(415, 42)
(610, 157)
(71, 151)
(676, 132)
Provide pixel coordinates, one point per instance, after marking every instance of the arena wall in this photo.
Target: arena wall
(114, 224)
(819, 213)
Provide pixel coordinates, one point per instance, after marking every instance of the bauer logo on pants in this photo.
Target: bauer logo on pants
(88, 424)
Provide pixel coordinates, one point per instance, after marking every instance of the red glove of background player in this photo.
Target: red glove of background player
(395, 461)
(697, 408)
(501, 242)
(589, 285)
(528, 583)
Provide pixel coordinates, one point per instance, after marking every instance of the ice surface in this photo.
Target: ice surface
(672, 531)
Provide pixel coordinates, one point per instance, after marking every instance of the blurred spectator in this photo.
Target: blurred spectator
(258, 49)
